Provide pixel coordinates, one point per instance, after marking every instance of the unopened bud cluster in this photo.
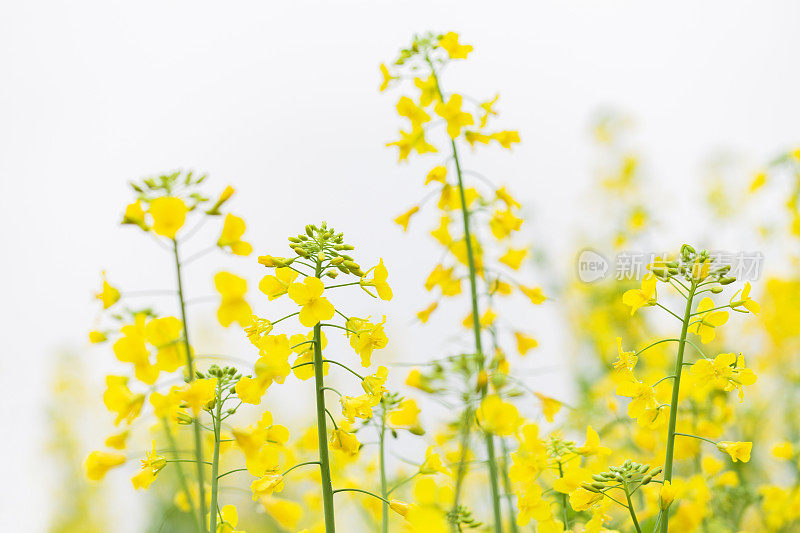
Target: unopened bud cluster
(322, 245)
(694, 267)
(628, 472)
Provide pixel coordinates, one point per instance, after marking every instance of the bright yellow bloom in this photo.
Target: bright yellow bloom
(367, 338)
(642, 395)
(374, 383)
(344, 441)
(379, 277)
(443, 278)
(226, 194)
(706, 321)
(266, 486)
(739, 451)
(488, 109)
(725, 372)
(759, 180)
(277, 285)
(99, 463)
(153, 461)
(169, 214)
(582, 499)
(314, 307)
(473, 137)
(486, 320)
(525, 343)
(783, 450)
(251, 390)
(405, 218)
(108, 295)
(358, 406)
(198, 393)
(625, 360)
(232, 231)
(449, 42)
(451, 112)
(745, 300)
(96, 337)
(399, 506)
(573, 477)
(513, 257)
(165, 334)
(228, 520)
(233, 307)
(637, 298)
(503, 194)
(498, 416)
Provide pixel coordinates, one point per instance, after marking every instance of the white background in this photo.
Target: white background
(280, 99)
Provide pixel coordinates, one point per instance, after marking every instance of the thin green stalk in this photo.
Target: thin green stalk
(564, 507)
(322, 427)
(384, 486)
(512, 518)
(198, 444)
(181, 474)
(215, 461)
(673, 407)
(630, 509)
(476, 326)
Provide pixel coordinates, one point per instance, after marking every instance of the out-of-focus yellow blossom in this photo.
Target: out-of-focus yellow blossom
(119, 399)
(425, 314)
(525, 343)
(642, 395)
(405, 415)
(503, 223)
(451, 112)
(487, 319)
(488, 109)
(358, 406)
(96, 337)
(783, 450)
(134, 214)
(725, 372)
(449, 42)
(534, 294)
(573, 477)
(437, 174)
(412, 140)
(198, 393)
(625, 360)
(443, 278)
(386, 77)
(99, 463)
(513, 257)
(759, 180)
(118, 441)
(415, 114)
(506, 138)
(498, 416)
(228, 520)
(231, 238)
(233, 307)
(285, 512)
(267, 485)
(582, 499)
(550, 406)
(314, 306)
(592, 444)
(108, 294)
(169, 215)
(165, 334)
(405, 218)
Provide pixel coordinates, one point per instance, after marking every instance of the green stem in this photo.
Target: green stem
(630, 509)
(198, 444)
(217, 420)
(512, 518)
(564, 500)
(384, 486)
(322, 427)
(299, 465)
(181, 474)
(673, 406)
(362, 491)
(461, 471)
(476, 326)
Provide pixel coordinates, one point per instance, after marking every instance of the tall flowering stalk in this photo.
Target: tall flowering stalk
(321, 253)
(159, 346)
(466, 207)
